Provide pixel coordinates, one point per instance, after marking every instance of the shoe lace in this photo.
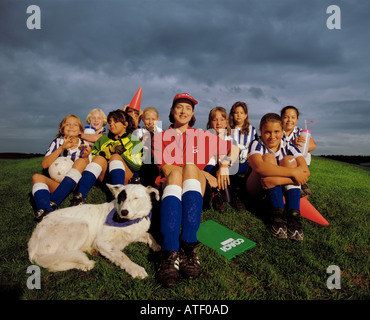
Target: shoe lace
(189, 256)
(172, 260)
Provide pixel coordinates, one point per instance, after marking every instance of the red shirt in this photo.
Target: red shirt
(193, 146)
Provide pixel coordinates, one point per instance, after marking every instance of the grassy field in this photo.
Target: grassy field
(273, 269)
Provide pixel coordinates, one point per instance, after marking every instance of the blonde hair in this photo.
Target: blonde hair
(62, 124)
(150, 109)
(223, 113)
(88, 118)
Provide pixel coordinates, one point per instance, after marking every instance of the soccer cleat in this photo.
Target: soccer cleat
(77, 199)
(295, 231)
(168, 272)
(305, 190)
(278, 223)
(189, 261)
(237, 203)
(41, 213)
(218, 202)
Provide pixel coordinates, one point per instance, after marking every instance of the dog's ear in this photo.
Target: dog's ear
(153, 191)
(115, 189)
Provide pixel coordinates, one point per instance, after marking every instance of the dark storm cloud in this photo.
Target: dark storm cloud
(270, 54)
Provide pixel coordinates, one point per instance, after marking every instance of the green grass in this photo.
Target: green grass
(272, 270)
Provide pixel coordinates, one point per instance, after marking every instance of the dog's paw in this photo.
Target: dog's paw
(88, 266)
(156, 247)
(137, 272)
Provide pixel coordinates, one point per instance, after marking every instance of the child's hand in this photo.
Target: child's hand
(299, 141)
(268, 182)
(86, 151)
(67, 143)
(301, 175)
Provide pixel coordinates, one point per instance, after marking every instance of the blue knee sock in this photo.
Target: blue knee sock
(41, 194)
(66, 186)
(192, 204)
(171, 215)
(117, 172)
(276, 197)
(293, 197)
(89, 177)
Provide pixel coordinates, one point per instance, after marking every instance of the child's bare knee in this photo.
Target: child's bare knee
(115, 157)
(288, 162)
(269, 158)
(36, 178)
(80, 164)
(175, 177)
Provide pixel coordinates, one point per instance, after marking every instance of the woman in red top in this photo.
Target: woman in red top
(181, 153)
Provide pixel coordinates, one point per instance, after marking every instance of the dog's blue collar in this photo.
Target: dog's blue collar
(110, 222)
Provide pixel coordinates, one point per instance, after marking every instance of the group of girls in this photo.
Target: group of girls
(234, 158)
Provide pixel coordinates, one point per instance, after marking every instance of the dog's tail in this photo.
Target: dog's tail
(62, 261)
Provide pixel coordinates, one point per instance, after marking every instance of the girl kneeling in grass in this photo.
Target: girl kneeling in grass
(279, 167)
(66, 144)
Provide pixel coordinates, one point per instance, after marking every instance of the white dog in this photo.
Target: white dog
(59, 241)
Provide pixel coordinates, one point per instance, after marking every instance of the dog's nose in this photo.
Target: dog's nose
(124, 213)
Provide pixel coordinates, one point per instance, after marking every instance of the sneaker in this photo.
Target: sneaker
(77, 199)
(41, 213)
(278, 223)
(305, 191)
(189, 261)
(218, 201)
(238, 203)
(168, 272)
(295, 231)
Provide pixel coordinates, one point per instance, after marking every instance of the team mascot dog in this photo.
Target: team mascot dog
(60, 240)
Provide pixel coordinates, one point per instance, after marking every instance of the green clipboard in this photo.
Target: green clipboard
(225, 241)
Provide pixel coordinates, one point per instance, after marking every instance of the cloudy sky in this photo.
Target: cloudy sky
(267, 53)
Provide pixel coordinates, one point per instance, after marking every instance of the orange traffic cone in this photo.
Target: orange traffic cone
(308, 211)
(136, 100)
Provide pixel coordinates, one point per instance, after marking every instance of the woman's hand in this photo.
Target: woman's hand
(223, 178)
(211, 179)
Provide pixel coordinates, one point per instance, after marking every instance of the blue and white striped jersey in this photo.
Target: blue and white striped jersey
(72, 154)
(244, 141)
(293, 135)
(286, 148)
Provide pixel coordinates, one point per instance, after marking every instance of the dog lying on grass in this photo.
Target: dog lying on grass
(60, 240)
